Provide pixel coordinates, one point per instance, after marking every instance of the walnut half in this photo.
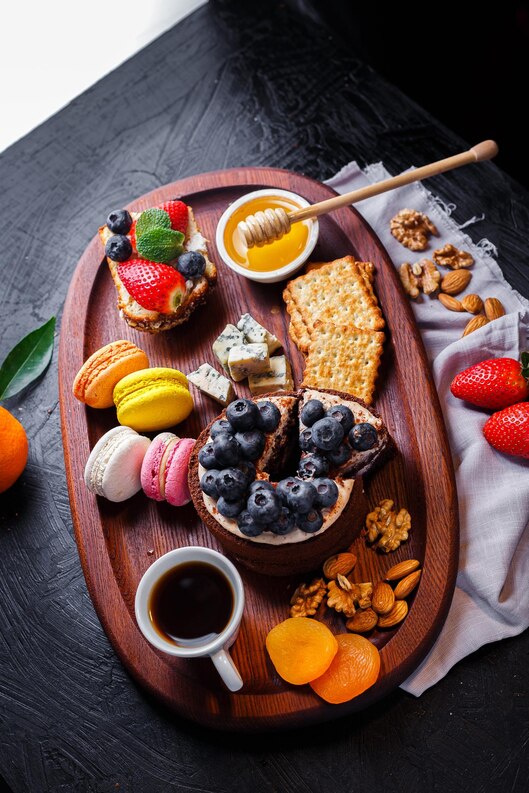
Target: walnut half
(412, 229)
(307, 598)
(450, 256)
(386, 527)
(420, 275)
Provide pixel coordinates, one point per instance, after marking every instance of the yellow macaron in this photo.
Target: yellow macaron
(95, 381)
(153, 399)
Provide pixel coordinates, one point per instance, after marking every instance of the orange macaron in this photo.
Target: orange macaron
(96, 379)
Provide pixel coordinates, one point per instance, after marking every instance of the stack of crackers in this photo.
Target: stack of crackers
(336, 322)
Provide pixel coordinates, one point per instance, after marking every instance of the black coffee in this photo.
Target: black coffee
(191, 604)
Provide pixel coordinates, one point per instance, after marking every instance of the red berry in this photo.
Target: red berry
(496, 383)
(155, 286)
(178, 213)
(508, 430)
(132, 236)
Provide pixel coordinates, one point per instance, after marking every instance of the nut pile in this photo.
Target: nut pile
(484, 311)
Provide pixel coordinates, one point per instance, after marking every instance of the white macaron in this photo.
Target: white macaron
(114, 466)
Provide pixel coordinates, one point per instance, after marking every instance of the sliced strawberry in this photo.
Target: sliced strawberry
(496, 383)
(132, 236)
(178, 213)
(156, 287)
(508, 430)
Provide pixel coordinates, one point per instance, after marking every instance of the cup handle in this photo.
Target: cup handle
(227, 670)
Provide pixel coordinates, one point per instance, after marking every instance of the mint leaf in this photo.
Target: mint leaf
(160, 244)
(27, 360)
(150, 219)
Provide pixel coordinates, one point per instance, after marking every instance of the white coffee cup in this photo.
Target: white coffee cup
(217, 648)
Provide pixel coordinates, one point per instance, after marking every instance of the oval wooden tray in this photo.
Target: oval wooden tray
(117, 542)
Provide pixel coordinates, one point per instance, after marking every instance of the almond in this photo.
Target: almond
(472, 303)
(406, 586)
(475, 323)
(402, 569)
(455, 282)
(493, 308)
(341, 564)
(449, 302)
(362, 622)
(399, 610)
(383, 598)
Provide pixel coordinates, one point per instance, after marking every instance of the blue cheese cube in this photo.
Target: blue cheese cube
(229, 337)
(210, 382)
(277, 378)
(256, 334)
(246, 359)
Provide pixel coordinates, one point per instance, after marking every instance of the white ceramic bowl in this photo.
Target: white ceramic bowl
(269, 276)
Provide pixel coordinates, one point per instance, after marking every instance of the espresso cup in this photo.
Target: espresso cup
(216, 648)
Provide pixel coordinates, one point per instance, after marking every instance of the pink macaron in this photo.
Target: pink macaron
(165, 467)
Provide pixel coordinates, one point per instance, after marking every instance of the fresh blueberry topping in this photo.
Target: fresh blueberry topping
(243, 414)
(342, 414)
(264, 506)
(326, 492)
(269, 416)
(301, 496)
(312, 411)
(231, 484)
(230, 509)
(119, 221)
(118, 248)
(260, 484)
(310, 521)
(252, 443)
(327, 434)
(248, 470)
(247, 525)
(363, 436)
(340, 455)
(208, 483)
(285, 522)
(313, 465)
(306, 444)
(284, 487)
(191, 264)
(227, 450)
(221, 425)
(206, 457)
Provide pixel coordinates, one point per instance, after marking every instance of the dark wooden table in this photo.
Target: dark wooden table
(228, 86)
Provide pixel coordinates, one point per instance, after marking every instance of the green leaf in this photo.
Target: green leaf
(27, 360)
(525, 364)
(150, 219)
(160, 245)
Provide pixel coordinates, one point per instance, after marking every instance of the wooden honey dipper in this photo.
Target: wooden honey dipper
(271, 224)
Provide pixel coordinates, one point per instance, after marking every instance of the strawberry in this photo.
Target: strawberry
(178, 213)
(496, 383)
(132, 236)
(155, 286)
(508, 430)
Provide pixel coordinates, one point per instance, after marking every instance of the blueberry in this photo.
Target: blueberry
(264, 506)
(327, 434)
(227, 450)
(269, 416)
(301, 496)
(118, 248)
(310, 521)
(312, 411)
(285, 522)
(252, 443)
(119, 221)
(206, 457)
(191, 264)
(231, 484)
(221, 425)
(208, 483)
(340, 455)
(247, 525)
(230, 509)
(342, 414)
(284, 486)
(363, 436)
(260, 484)
(243, 414)
(248, 470)
(326, 492)
(313, 465)
(306, 444)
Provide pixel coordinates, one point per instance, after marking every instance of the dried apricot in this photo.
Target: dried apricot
(354, 668)
(301, 649)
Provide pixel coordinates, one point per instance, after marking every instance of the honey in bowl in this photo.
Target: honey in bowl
(274, 255)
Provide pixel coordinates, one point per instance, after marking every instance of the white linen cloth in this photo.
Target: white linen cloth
(491, 600)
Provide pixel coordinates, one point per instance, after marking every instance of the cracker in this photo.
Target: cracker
(344, 358)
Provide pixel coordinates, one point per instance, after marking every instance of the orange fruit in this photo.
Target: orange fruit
(354, 669)
(13, 449)
(301, 649)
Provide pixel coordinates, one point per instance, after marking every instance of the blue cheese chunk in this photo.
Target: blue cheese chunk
(229, 337)
(210, 382)
(247, 359)
(277, 378)
(256, 334)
